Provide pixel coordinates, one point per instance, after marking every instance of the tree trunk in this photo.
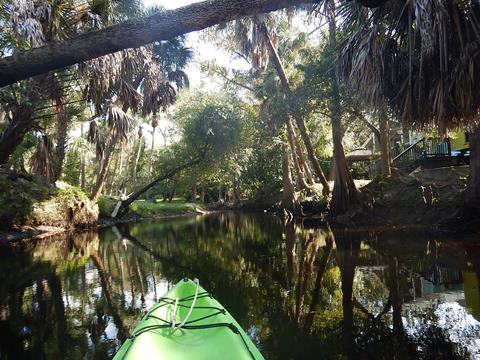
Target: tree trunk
(194, 188)
(289, 202)
(344, 190)
(102, 175)
(236, 190)
(63, 122)
(171, 193)
(13, 135)
(472, 195)
(110, 177)
(130, 149)
(303, 161)
(137, 158)
(296, 161)
(163, 25)
(126, 203)
(298, 119)
(55, 285)
(347, 255)
(322, 267)
(385, 156)
(118, 173)
(396, 297)
(82, 163)
(150, 159)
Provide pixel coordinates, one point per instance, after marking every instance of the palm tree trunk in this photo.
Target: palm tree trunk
(152, 148)
(63, 122)
(344, 190)
(110, 178)
(472, 195)
(118, 173)
(163, 25)
(289, 202)
(125, 172)
(82, 162)
(137, 158)
(102, 175)
(385, 155)
(298, 119)
(296, 161)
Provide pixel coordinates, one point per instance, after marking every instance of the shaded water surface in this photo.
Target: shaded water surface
(300, 292)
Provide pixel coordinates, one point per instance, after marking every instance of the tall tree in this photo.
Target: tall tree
(298, 119)
(119, 126)
(344, 191)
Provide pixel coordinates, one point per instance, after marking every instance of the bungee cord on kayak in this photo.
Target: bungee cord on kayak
(187, 324)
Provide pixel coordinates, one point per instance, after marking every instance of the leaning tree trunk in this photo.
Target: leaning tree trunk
(385, 155)
(102, 175)
(296, 161)
(289, 202)
(162, 25)
(13, 135)
(303, 161)
(126, 203)
(344, 190)
(298, 119)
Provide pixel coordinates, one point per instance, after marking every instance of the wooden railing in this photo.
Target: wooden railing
(418, 152)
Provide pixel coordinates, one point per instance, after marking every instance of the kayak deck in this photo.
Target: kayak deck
(206, 329)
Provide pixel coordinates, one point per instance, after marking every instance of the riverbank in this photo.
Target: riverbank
(31, 209)
(430, 198)
(30, 233)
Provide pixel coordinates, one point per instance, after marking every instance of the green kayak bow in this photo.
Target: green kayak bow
(188, 323)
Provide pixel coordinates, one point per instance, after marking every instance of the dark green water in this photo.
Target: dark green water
(300, 291)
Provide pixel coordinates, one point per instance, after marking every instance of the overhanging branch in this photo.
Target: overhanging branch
(131, 34)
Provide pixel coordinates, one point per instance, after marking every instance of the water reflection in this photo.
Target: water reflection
(299, 291)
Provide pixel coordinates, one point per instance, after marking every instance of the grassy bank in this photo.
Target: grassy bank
(156, 208)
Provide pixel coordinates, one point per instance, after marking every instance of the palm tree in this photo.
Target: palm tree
(344, 191)
(119, 127)
(255, 43)
(173, 56)
(272, 51)
(423, 59)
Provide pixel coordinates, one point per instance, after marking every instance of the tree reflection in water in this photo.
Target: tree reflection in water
(300, 292)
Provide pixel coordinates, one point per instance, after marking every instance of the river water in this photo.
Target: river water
(301, 291)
